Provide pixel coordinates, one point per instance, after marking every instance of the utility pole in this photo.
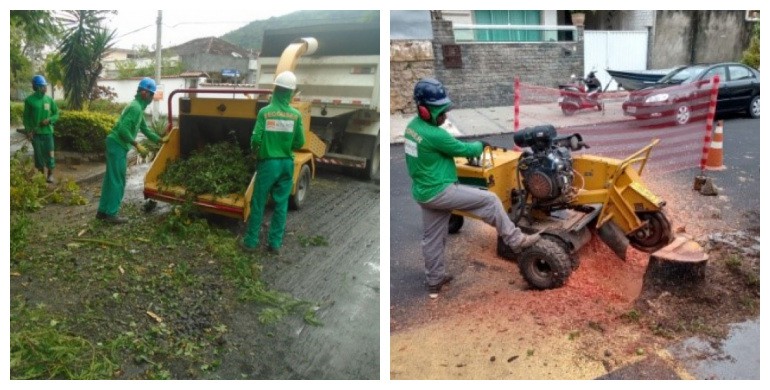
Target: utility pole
(156, 103)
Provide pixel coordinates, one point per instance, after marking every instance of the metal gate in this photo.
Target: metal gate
(615, 50)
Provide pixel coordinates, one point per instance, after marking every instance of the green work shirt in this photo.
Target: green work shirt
(37, 108)
(430, 153)
(278, 130)
(131, 122)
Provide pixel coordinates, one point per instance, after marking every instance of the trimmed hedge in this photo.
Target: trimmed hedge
(82, 131)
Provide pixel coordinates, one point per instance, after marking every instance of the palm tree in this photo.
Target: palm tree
(85, 42)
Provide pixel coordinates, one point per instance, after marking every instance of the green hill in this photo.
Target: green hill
(250, 36)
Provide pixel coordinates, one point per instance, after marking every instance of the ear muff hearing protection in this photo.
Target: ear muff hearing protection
(424, 113)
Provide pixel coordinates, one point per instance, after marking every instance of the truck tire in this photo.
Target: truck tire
(653, 236)
(545, 265)
(373, 164)
(297, 199)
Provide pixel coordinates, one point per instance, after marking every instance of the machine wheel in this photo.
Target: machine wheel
(682, 114)
(455, 223)
(545, 265)
(754, 108)
(568, 109)
(654, 235)
(303, 183)
(149, 205)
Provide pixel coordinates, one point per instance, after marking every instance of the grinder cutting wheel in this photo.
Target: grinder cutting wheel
(544, 188)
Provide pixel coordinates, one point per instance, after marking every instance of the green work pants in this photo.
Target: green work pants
(274, 178)
(114, 183)
(42, 148)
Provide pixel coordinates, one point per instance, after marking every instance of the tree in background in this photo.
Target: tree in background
(31, 32)
(54, 72)
(85, 42)
(751, 55)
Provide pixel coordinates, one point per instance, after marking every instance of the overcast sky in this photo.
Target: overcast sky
(138, 27)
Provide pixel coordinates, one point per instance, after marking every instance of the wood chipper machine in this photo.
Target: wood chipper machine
(545, 189)
(209, 116)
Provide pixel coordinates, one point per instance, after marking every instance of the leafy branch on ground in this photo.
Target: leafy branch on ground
(145, 300)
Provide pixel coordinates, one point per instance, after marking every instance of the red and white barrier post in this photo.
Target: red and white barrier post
(709, 122)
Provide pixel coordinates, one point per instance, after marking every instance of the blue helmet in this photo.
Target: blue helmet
(430, 92)
(38, 81)
(148, 84)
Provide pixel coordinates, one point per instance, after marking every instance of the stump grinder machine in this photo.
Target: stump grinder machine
(546, 189)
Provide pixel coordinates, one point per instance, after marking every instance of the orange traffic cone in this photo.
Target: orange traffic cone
(714, 158)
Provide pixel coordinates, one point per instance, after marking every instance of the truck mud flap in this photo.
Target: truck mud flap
(342, 160)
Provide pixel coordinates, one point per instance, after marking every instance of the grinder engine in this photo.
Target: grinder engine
(545, 167)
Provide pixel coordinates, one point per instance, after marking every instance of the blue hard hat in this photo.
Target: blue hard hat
(38, 81)
(148, 84)
(430, 92)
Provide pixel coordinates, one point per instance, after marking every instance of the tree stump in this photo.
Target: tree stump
(683, 262)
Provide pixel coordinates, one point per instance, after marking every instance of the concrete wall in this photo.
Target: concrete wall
(488, 69)
(409, 62)
(685, 37)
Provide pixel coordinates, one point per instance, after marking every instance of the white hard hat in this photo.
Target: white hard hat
(287, 80)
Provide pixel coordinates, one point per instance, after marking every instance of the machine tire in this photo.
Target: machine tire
(754, 108)
(297, 199)
(655, 235)
(455, 223)
(545, 265)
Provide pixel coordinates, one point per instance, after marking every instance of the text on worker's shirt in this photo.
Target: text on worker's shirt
(285, 126)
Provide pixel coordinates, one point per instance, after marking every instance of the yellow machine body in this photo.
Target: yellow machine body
(614, 184)
(215, 117)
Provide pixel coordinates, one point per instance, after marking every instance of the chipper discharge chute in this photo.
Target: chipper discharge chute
(546, 189)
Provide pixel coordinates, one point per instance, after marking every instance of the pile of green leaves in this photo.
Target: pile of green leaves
(218, 169)
(29, 193)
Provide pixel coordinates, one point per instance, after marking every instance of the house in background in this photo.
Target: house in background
(201, 62)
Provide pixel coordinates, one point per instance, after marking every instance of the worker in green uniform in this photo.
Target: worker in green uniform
(40, 114)
(277, 132)
(429, 151)
(118, 142)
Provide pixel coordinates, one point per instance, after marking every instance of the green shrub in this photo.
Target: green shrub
(82, 131)
(751, 55)
(17, 113)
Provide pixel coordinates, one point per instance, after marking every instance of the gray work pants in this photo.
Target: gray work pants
(435, 221)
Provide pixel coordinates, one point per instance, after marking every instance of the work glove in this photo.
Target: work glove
(141, 150)
(165, 138)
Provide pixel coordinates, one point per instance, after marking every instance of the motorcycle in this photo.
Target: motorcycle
(580, 94)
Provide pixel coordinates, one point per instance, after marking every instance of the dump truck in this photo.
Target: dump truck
(337, 94)
(341, 82)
